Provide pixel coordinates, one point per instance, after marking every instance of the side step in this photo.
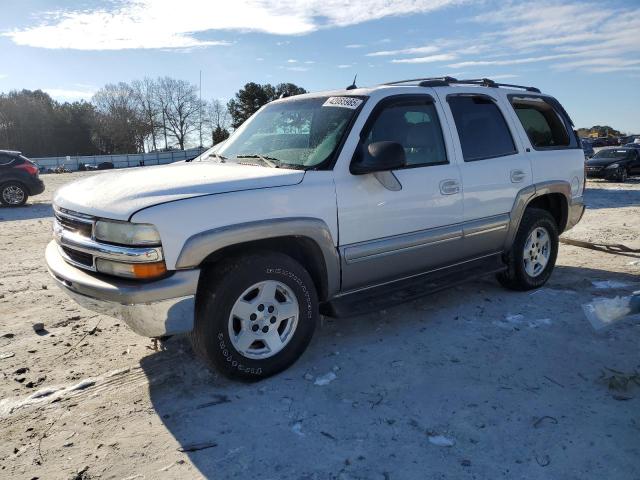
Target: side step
(377, 298)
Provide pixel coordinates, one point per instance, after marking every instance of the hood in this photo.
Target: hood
(603, 162)
(119, 194)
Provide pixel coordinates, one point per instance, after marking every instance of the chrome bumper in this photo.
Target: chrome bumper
(152, 309)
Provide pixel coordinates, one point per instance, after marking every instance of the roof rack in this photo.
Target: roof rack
(446, 81)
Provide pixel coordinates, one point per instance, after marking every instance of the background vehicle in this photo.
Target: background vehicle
(19, 179)
(587, 148)
(614, 164)
(327, 202)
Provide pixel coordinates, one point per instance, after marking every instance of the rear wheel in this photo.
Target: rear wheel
(533, 253)
(13, 194)
(255, 315)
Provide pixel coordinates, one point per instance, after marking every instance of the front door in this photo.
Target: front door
(392, 231)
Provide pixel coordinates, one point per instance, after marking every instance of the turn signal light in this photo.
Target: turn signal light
(139, 271)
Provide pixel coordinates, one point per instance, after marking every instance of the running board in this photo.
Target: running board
(377, 298)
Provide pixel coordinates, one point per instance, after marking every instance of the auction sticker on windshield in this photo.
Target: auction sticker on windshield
(345, 102)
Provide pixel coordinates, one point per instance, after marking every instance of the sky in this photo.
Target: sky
(585, 54)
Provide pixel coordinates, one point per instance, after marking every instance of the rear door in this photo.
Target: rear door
(494, 165)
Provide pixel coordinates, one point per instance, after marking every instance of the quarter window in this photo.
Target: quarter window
(5, 159)
(413, 124)
(542, 123)
(481, 127)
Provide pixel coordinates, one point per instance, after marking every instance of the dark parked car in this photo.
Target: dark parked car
(587, 148)
(614, 164)
(19, 179)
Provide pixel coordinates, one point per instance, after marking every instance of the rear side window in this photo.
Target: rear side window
(6, 159)
(544, 126)
(482, 129)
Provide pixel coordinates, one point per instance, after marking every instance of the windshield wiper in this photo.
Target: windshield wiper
(215, 155)
(267, 160)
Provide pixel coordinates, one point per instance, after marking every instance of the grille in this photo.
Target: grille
(79, 257)
(76, 226)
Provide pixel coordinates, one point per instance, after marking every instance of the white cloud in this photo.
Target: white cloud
(509, 61)
(297, 69)
(344, 65)
(310, 62)
(502, 76)
(292, 60)
(597, 38)
(405, 51)
(354, 45)
(443, 57)
(3, 75)
(64, 94)
(130, 24)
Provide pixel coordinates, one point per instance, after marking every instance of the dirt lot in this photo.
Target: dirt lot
(509, 381)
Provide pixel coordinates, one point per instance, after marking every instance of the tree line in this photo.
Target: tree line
(141, 116)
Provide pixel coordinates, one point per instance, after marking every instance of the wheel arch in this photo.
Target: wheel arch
(307, 240)
(553, 196)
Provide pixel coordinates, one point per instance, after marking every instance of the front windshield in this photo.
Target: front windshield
(612, 153)
(291, 134)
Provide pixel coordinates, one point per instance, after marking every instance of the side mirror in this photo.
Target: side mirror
(379, 157)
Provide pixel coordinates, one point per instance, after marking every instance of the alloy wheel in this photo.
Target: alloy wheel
(537, 250)
(263, 319)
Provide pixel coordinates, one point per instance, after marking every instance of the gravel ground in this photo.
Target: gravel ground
(475, 382)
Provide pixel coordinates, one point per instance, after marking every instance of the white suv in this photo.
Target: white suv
(326, 202)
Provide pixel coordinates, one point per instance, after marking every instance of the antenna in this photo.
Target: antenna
(353, 85)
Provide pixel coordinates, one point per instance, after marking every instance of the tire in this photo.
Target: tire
(13, 194)
(622, 175)
(530, 274)
(228, 307)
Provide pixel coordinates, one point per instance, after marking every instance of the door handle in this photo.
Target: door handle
(449, 187)
(518, 176)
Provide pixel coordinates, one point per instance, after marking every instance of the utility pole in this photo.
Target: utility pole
(200, 108)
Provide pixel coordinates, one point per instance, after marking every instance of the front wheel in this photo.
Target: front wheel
(533, 254)
(13, 194)
(622, 175)
(255, 315)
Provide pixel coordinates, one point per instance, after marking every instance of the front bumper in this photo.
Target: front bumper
(152, 309)
(601, 172)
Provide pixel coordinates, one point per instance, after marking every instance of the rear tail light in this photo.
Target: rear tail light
(29, 167)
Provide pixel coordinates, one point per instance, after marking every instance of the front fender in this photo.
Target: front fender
(199, 246)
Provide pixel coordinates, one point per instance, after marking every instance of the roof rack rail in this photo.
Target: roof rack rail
(445, 81)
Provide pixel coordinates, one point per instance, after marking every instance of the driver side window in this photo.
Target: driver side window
(414, 124)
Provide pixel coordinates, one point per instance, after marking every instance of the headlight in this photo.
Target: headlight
(131, 270)
(613, 165)
(126, 233)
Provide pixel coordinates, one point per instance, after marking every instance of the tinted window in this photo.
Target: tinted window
(481, 127)
(414, 125)
(543, 125)
(6, 159)
(613, 153)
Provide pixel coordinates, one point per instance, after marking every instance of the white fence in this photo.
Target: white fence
(119, 161)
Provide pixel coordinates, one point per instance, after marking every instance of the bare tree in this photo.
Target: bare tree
(146, 93)
(219, 120)
(121, 127)
(180, 108)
